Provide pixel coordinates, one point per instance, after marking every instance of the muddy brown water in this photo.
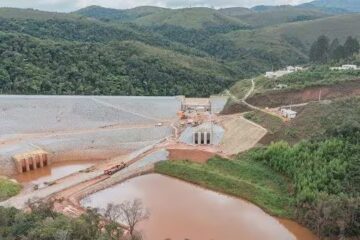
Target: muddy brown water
(53, 172)
(179, 210)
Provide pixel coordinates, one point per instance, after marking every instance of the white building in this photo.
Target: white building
(282, 72)
(288, 113)
(346, 67)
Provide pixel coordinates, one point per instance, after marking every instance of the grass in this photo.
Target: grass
(8, 188)
(242, 178)
(312, 120)
(240, 88)
(315, 76)
(279, 15)
(271, 123)
(190, 18)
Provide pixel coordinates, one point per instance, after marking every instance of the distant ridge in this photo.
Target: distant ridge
(335, 6)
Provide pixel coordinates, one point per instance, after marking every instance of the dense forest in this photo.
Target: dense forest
(322, 50)
(325, 175)
(147, 51)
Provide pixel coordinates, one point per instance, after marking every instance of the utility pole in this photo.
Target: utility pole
(320, 95)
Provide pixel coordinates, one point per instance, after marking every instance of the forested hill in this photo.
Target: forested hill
(154, 51)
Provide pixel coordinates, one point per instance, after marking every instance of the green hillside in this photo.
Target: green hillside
(187, 41)
(109, 14)
(17, 13)
(346, 5)
(291, 42)
(193, 18)
(279, 15)
(30, 65)
(235, 11)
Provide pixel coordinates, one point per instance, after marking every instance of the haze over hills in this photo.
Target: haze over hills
(168, 51)
(336, 5)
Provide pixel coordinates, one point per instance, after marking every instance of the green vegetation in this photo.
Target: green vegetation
(348, 5)
(313, 76)
(325, 175)
(35, 66)
(8, 188)
(241, 88)
(44, 224)
(312, 121)
(241, 178)
(278, 15)
(48, 53)
(272, 123)
(322, 51)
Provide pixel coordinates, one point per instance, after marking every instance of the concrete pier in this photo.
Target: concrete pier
(30, 161)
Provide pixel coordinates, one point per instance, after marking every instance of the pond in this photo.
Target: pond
(179, 210)
(52, 172)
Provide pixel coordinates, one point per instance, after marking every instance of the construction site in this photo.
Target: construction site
(67, 148)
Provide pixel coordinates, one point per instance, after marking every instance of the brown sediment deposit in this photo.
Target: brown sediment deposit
(278, 98)
(179, 210)
(194, 155)
(53, 172)
(87, 155)
(299, 231)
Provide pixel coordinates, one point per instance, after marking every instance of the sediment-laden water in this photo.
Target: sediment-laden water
(179, 210)
(52, 172)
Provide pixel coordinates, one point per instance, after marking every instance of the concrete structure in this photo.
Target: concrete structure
(346, 67)
(30, 161)
(288, 113)
(202, 138)
(217, 103)
(196, 104)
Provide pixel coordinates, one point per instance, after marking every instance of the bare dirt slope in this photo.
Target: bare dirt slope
(308, 94)
(240, 135)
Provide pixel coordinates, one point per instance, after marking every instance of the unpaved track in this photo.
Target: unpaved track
(247, 95)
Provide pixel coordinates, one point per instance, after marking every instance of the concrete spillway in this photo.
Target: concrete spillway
(30, 161)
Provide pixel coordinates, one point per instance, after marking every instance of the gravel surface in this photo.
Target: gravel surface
(28, 114)
(218, 103)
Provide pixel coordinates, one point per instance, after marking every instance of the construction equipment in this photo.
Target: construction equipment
(114, 169)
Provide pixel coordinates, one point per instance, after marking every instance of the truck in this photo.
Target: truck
(114, 169)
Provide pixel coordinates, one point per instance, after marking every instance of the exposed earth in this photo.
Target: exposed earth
(84, 136)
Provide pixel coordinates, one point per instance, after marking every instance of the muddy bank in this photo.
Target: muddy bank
(294, 96)
(183, 211)
(194, 155)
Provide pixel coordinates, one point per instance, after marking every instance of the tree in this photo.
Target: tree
(333, 46)
(351, 46)
(319, 51)
(130, 213)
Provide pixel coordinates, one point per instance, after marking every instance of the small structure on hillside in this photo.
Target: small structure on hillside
(281, 86)
(346, 67)
(288, 113)
(282, 72)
